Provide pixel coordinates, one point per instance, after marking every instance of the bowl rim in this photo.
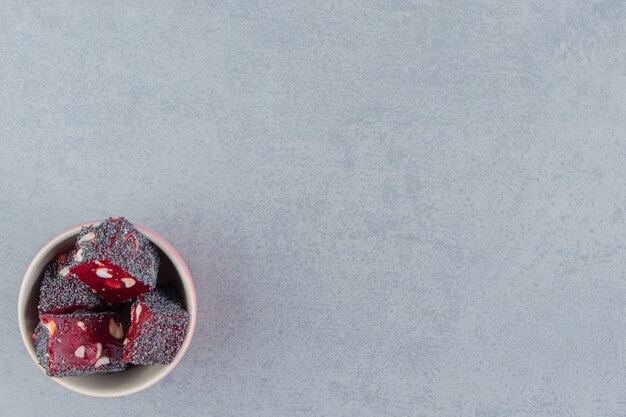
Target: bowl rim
(187, 282)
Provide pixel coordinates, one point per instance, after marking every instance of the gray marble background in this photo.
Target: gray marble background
(390, 208)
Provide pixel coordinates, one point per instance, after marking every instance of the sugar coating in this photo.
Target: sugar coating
(157, 339)
(64, 294)
(41, 336)
(120, 242)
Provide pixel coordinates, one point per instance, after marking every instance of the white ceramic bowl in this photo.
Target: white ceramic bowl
(173, 271)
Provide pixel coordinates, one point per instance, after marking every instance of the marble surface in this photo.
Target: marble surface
(390, 207)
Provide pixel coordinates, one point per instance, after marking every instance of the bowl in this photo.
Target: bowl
(172, 271)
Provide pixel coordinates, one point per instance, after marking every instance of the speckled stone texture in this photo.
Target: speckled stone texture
(390, 208)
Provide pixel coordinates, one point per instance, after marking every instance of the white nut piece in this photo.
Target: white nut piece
(81, 325)
(98, 350)
(80, 352)
(64, 271)
(128, 282)
(98, 263)
(115, 329)
(87, 237)
(78, 256)
(103, 273)
(51, 326)
(102, 361)
(137, 312)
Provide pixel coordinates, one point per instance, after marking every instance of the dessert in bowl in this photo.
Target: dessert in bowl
(107, 308)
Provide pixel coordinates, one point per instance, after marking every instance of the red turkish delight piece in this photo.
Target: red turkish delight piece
(62, 292)
(157, 329)
(81, 343)
(115, 260)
